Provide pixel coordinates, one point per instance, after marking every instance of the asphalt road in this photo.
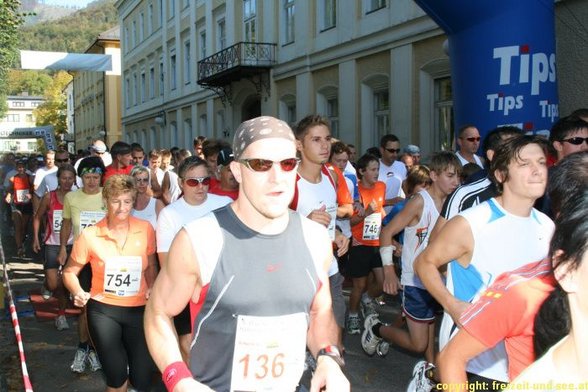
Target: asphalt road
(49, 352)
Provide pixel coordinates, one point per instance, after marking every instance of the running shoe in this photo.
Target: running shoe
(421, 381)
(61, 323)
(368, 308)
(93, 360)
(370, 343)
(79, 363)
(353, 325)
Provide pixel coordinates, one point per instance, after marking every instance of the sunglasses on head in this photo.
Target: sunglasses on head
(263, 165)
(576, 141)
(392, 150)
(473, 139)
(195, 181)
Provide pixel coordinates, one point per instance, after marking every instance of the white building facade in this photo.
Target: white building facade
(199, 68)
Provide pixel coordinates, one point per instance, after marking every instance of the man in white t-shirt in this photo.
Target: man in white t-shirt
(392, 171)
(468, 141)
(42, 172)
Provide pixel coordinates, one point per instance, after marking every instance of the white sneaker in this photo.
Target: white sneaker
(93, 360)
(420, 381)
(79, 363)
(368, 308)
(46, 294)
(61, 323)
(370, 343)
(353, 325)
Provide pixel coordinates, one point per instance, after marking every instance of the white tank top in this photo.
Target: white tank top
(148, 213)
(416, 238)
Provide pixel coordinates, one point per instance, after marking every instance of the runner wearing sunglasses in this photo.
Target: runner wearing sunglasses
(468, 141)
(255, 275)
(194, 203)
(569, 135)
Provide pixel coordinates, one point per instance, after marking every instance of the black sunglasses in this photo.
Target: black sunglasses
(61, 160)
(576, 141)
(472, 139)
(392, 150)
(195, 181)
(263, 165)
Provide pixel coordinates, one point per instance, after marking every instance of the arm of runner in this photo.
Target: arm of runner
(323, 329)
(342, 243)
(39, 214)
(177, 282)
(165, 185)
(77, 260)
(453, 359)
(454, 242)
(66, 227)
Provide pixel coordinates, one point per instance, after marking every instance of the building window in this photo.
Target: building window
(172, 8)
(381, 113)
(127, 40)
(444, 113)
(374, 5)
(29, 118)
(13, 118)
(202, 45)
(289, 21)
(222, 34)
(328, 14)
(203, 125)
(151, 82)
(172, 66)
(150, 19)
(143, 87)
(18, 104)
(35, 104)
(187, 63)
(249, 13)
(136, 89)
(134, 32)
(333, 115)
(161, 76)
(141, 27)
(160, 13)
(128, 93)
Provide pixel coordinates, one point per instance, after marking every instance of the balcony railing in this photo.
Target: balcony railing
(249, 57)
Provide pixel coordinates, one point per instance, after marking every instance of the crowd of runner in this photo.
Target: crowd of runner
(223, 266)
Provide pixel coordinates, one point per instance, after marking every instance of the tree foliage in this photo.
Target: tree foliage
(73, 33)
(54, 110)
(32, 82)
(10, 20)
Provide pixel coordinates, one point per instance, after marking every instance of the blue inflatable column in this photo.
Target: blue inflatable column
(502, 55)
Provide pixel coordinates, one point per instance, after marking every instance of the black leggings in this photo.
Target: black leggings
(119, 339)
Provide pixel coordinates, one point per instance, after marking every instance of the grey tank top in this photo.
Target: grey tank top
(254, 275)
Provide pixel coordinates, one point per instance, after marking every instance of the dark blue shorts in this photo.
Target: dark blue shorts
(418, 305)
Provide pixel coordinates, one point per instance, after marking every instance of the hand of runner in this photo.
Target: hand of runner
(342, 243)
(328, 375)
(191, 385)
(320, 216)
(456, 309)
(36, 245)
(81, 298)
(62, 256)
(391, 283)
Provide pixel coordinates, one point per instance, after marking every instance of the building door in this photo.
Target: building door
(251, 108)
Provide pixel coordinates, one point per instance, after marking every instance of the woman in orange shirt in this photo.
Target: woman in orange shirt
(366, 222)
(121, 251)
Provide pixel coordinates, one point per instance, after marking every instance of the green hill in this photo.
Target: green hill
(72, 33)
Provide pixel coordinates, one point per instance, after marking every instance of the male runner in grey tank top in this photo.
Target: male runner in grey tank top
(256, 276)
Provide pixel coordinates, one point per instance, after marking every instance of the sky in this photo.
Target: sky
(77, 3)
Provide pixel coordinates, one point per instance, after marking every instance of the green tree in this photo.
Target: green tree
(10, 20)
(30, 81)
(54, 110)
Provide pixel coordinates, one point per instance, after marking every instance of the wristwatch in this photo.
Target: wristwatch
(333, 352)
